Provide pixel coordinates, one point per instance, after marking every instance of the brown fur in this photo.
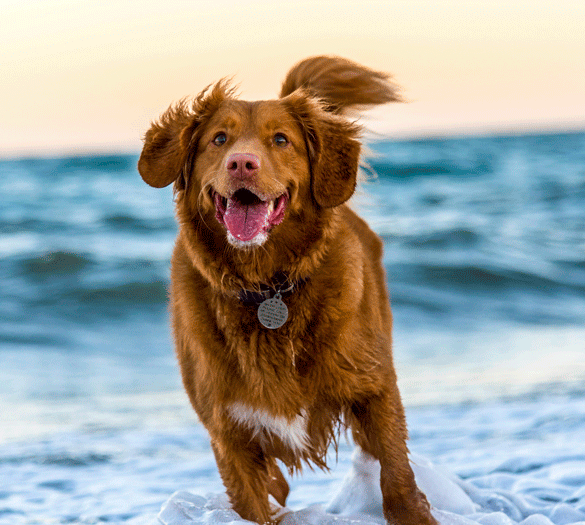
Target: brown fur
(332, 360)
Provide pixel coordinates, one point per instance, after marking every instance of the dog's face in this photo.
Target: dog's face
(248, 168)
(251, 166)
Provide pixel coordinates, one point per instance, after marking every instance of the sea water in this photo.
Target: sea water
(485, 259)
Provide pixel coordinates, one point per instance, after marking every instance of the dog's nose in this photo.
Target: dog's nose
(243, 165)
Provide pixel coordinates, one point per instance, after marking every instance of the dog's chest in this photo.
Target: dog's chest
(291, 432)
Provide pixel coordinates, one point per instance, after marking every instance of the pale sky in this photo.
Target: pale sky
(89, 75)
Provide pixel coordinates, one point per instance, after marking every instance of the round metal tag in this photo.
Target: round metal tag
(273, 313)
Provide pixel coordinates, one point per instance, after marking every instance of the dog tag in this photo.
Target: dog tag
(273, 313)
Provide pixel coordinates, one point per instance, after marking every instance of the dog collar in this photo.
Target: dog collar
(279, 284)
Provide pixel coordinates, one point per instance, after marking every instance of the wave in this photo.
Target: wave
(474, 156)
(486, 292)
(394, 170)
(56, 263)
(123, 295)
(84, 163)
(66, 460)
(489, 278)
(109, 163)
(438, 272)
(442, 239)
(76, 286)
(28, 339)
(128, 222)
(425, 158)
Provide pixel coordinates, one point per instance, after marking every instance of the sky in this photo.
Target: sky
(87, 76)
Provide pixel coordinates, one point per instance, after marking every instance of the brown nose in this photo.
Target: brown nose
(243, 165)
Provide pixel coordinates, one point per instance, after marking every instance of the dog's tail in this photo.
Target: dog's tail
(340, 83)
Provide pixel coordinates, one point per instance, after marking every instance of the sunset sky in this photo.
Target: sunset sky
(89, 75)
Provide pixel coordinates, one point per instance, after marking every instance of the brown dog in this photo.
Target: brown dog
(281, 317)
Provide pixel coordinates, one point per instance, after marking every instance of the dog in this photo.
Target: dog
(280, 313)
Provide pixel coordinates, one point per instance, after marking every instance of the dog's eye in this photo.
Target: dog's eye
(220, 139)
(280, 140)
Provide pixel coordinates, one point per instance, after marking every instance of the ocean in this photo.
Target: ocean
(485, 258)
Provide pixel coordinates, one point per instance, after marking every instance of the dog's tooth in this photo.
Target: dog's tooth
(271, 207)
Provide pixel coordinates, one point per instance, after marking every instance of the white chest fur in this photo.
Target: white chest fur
(292, 432)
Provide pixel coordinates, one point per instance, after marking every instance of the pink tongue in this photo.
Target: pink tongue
(245, 221)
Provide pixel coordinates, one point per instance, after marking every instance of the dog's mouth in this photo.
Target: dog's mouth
(247, 217)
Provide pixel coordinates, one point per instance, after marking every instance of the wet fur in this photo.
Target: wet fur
(331, 362)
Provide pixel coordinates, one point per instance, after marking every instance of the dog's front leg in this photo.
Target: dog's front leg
(380, 429)
(245, 474)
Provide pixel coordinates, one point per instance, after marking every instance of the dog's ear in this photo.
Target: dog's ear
(333, 147)
(164, 153)
(171, 141)
(335, 161)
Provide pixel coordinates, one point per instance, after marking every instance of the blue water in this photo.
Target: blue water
(484, 251)
(485, 257)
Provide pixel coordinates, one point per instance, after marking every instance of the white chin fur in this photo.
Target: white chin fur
(259, 240)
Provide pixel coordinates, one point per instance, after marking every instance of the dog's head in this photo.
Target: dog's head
(246, 167)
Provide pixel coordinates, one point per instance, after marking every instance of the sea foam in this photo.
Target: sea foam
(504, 500)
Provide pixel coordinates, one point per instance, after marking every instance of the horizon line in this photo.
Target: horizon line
(111, 150)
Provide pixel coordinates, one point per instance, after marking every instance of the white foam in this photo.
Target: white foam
(517, 462)
(359, 500)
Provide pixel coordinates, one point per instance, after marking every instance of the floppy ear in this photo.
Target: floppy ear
(335, 162)
(165, 151)
(333, 147)
(169, 141)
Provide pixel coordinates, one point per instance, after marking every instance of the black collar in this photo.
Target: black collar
(280, 283)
